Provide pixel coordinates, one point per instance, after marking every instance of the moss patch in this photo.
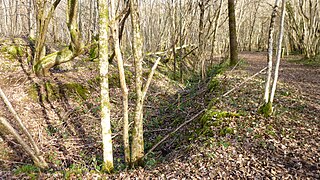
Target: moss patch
(93, 53)
(76, 89)
(266, 109)
(213, 84)
(219, 120)
(53, 91)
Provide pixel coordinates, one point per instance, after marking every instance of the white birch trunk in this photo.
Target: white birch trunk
(276, 72)
(270, 52)
(105, 101)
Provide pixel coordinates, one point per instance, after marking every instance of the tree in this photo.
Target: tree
(137, 144)
(43, 21)
(105, 100)
(270, 52)
(267, 108)
(304, 27)
(43, 64)
(232, 33)
(123, 84)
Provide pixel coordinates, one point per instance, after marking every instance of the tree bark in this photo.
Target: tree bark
(270, 52)
(43, 21)
(105, 99)
(137, 145)
(279, 48)
(42, 66)
(232, 33)
(125, 104)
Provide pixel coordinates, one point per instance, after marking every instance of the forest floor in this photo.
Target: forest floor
(231, 140)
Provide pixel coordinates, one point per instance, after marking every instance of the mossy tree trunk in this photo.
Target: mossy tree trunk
(42, 66)
(137, 145)
(125, 104)
(105, 99)
(232, 33)
(43, 21)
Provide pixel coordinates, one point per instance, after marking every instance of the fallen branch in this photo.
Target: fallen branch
(170, 50)
(34, 152)
(38, 160)
(171, 133)
(246, 80)
(16, 116)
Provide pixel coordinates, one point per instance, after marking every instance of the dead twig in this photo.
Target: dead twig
(171, 133)
(246, 80)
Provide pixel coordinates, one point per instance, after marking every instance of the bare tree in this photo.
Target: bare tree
(105, 99)
(232, 33)
(123, 84)
(267, 108)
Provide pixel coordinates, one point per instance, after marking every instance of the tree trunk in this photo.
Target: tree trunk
(137, 146)
(279, 48)
(216, 22)
(5, 13)
(232, 33)
(105, 100)
(266, 109)
(118, 55)
(201, 39)
(42, 27)
(253, 25)
(270, 52)
(42, 66)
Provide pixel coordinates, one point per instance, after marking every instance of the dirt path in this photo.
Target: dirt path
(304, 78)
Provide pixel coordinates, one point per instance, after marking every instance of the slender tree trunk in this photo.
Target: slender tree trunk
(34, 152)
(270, 52)
(5, 12)
(279, 48)
(173, 39)
(201, 39)
(267, 108)
(180, 41)
(232, 33)
(137, 146)
(216, 22)
(253, 25)
(69, 53)
(43, 21)
(105, 100)
(30, 18)
(118, 55)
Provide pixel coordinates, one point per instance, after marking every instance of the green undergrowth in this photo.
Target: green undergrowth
(215, 121)
(53, 91)
(12, 48)
(29, 170)
(266, 109)
(313, 61)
